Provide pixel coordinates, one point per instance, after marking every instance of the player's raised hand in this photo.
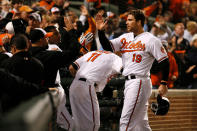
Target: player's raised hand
(68, 23)
(66, 4)
(84, 10)
(100, 21)
(86, 39)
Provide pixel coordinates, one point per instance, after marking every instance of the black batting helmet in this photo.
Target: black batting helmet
(161, 107)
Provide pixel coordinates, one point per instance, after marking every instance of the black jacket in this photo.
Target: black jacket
(192, 56)
(52, 61)
(69, 42)
(15, 90)
(192, 60)
(3, 57)
(24, 65)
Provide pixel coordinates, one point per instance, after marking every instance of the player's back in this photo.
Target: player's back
(97, 65)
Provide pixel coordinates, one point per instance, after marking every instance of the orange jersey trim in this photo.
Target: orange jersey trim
(162, 58)
(180, 51)
(77, 65)
(124, 51)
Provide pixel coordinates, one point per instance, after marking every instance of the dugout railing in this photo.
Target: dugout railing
(36, 114)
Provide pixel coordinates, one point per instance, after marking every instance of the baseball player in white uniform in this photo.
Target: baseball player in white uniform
(91, 74)
(64, 119)
(139, 49)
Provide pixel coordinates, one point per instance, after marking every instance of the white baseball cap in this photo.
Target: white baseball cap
(15, 26)
(36, 16)
(157, 24)
(10, 28)
(46, 34)
(55, 9)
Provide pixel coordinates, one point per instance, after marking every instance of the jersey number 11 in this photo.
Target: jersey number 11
(93, 57)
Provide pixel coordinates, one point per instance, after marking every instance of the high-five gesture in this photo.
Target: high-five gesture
(68, 23)
(100, 21)
(84, 11)
(86, 39)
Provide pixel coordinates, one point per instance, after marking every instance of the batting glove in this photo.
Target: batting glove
(86, 39)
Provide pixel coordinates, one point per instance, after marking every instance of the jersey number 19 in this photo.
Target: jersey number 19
(137, 58)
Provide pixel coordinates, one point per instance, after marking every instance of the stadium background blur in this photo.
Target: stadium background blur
(160, 14)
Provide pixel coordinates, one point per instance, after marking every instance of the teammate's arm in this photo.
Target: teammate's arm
(100, 25)
(104, 41)
(73, 69)
(163, 89)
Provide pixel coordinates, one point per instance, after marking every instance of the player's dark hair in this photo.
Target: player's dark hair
(49, 28)
(59, 21)
(19, 26)
(20, 41)
(35, 35)
(3, 23)
(138, 15)
(9, 16)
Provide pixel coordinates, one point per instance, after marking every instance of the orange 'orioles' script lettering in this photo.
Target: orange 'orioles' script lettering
(131, 46)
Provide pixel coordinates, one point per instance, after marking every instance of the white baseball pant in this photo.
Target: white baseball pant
(134, 113)
(84, 105)
(64, 119)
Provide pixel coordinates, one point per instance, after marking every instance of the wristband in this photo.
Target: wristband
(75, 66)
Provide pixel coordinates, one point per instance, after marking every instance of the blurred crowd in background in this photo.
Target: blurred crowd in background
(40, 27)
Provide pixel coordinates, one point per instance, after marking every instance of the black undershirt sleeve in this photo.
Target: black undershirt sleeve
(165, 69)
(104, 41)
(75, 66)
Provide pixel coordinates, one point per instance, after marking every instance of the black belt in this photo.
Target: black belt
(129, 77)
(82, 79)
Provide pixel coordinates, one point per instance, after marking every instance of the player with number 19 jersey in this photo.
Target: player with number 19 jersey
(138, 53)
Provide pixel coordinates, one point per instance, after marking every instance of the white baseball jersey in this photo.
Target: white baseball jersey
(138, 53)
(95, 67)
(98, 66)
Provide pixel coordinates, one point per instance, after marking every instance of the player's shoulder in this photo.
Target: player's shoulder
(130, 34)
(150, 37)
(88, 53)
(94, 52)
(106, 53)
(113, 55)
(127, 36)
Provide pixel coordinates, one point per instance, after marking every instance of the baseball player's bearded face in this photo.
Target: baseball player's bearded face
(131, 24)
